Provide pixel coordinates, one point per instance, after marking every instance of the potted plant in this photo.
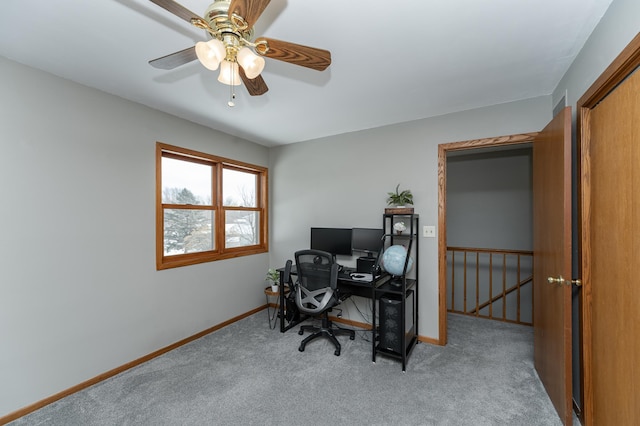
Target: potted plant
(400, 198)
(273, 277)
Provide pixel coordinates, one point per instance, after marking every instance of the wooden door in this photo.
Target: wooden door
(610, 199)
(552, 259)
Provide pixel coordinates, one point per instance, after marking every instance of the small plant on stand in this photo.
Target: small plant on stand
(400, 198)
(273, 277)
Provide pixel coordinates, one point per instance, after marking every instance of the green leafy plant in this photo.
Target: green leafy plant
(400, 198)
(273, 276)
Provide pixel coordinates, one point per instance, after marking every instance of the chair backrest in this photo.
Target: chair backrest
(316, 269)
(317, 281)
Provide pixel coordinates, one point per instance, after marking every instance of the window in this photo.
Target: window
(207, 207)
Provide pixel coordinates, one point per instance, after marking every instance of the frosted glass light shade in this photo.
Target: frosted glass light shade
(229, 73)
(251, 63)
(210, 53)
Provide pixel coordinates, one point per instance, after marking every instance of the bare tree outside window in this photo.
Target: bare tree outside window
(239, 191)
(186, 230)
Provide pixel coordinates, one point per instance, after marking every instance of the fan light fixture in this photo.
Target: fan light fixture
(232, 48)
(227, 55)
(229, 74)
(251, 63)
(228, 51)
(210, 53)
(213, 52)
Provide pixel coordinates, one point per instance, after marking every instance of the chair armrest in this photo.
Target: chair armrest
(286, 278)
(334, 276)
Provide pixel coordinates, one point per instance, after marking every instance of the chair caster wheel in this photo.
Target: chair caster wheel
(301, 348)
(352, 337)
(301, 332)
(337, 353)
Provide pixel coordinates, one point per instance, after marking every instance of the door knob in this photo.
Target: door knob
(560, 281)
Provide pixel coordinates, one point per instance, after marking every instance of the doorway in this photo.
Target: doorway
(443, 150)
(490, 233)
(551, 229)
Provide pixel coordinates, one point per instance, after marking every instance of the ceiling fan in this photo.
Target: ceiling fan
(231, 47)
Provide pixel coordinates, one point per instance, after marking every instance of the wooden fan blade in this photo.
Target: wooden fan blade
(305, 56)
(175, 59)
(255, 87)
(177, 9)
(250, 10)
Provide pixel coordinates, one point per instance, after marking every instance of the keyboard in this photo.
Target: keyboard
(361, 276)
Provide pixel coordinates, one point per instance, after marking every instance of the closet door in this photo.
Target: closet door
(610, 242)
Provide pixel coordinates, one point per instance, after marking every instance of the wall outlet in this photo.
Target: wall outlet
(429, 231)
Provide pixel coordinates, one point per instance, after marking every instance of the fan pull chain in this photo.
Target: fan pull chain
(232, 94)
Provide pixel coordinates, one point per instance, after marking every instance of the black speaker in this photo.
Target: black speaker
(390, 318)
(366, 265)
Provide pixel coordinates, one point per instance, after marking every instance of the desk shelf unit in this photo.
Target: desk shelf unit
(397, 332)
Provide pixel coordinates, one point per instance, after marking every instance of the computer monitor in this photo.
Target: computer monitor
(366, 240)
(336, 241)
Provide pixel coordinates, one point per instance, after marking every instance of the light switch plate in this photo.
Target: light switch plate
(429, 231)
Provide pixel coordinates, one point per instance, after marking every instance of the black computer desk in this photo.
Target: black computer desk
(347, 286)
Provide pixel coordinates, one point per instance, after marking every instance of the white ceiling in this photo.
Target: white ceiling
(392, 61)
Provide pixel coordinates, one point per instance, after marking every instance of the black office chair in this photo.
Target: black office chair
(316, 293)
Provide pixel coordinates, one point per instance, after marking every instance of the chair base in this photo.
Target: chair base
(327, 331)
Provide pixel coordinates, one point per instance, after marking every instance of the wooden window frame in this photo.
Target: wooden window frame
(220, 251)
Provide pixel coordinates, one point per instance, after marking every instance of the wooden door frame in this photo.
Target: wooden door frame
(624, 64)
(443, 149)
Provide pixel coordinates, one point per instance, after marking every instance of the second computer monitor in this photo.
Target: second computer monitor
(367, 240)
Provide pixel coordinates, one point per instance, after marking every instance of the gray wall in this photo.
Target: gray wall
(489, 200)
(612, 34)
(343, 181)
(80, 294)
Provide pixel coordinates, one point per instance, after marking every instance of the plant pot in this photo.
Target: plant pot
(399, 210)
(274, 288)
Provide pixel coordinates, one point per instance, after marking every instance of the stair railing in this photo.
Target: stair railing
(491, 283)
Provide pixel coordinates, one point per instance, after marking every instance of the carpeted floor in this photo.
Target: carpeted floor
(247, 374)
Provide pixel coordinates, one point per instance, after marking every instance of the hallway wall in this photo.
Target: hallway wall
(489, 199)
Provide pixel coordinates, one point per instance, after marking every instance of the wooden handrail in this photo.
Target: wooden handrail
(490, 250)
(500, 296)
(509, 263)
